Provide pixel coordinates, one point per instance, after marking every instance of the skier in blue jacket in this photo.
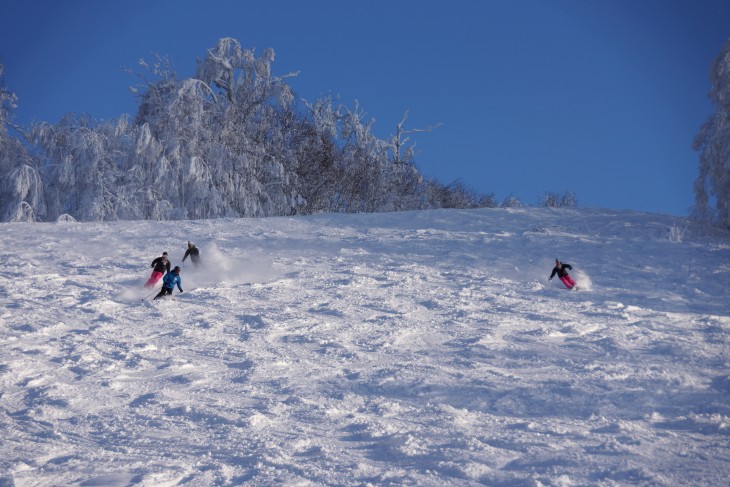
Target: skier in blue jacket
(169, 282)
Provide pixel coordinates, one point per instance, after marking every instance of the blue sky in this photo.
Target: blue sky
(602, 98)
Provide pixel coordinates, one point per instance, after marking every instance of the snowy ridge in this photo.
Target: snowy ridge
(418, 348)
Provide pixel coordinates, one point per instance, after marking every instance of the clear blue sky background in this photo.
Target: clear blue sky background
(598, 97)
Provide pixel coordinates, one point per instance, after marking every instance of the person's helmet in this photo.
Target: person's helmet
(164, 253)
(176, 269)
(190, 244)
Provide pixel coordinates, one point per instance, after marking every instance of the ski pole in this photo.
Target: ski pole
(150, 294)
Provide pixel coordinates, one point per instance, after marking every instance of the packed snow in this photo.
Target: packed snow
(418, 348)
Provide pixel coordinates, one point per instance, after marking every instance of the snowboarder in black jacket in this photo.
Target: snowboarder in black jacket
(193, 253)
(559, 269)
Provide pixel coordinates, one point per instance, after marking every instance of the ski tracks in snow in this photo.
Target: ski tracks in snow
(420, 348)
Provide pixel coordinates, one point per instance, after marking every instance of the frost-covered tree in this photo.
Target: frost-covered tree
(340, 163)
(568, 200)
(221, 134)
(511, 202)
(458, 195)
(316, 156)
(231, 141)
(362, 173)
(245, 79)
(363, 158)
(553, 200)
(81, 161)
(402, 150)
(7, 104)
(21, 188)
(713, 144)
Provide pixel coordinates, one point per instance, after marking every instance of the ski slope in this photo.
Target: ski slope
(417, 348)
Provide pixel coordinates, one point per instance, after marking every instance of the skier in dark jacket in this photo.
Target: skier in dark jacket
(169, 281)
(193, 253)
(559, 269)
(161, 265)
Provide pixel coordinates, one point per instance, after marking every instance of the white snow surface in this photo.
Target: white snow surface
(417, 348)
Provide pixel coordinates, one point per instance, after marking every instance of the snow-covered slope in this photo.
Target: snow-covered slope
(420, 348)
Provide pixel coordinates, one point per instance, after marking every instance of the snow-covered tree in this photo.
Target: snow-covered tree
(21, 189)
(402, 150)
(231, 141)
(79, 164)
(7, 103)
(713, 144)
(315, 157)
(511, 202)
(244, 78)
(554, 200)
(221, 134)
